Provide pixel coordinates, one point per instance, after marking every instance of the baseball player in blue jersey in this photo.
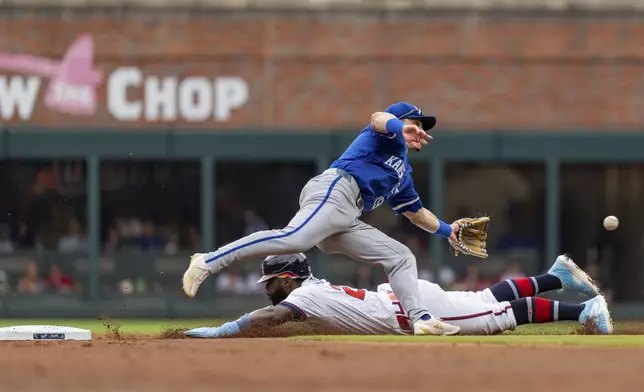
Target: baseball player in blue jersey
(372, 171)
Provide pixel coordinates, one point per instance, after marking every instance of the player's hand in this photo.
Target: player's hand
(455, 228)
(415, 137)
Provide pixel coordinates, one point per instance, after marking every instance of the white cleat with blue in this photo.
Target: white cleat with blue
(572, 277)
(596, 312)
(196, 273)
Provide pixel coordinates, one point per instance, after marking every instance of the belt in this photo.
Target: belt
(345, 175)
(349, 177)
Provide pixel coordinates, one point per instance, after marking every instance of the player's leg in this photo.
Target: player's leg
(531, 310)
(327, 206)
(564, 274)
(475, 314)
(368, 244)
(467, 310)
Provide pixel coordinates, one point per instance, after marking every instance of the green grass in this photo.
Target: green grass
(627, 334)
(560, 334)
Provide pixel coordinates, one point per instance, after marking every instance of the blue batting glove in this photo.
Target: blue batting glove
(228, 329)
(213, 332)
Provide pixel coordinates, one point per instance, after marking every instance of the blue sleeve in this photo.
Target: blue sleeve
(298, 313)
(405, 200)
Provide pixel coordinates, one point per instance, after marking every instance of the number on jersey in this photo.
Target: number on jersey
(355, 293)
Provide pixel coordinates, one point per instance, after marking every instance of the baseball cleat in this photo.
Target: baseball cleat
(196, 273)
(596, 312)
(435, 327)
(572, 277)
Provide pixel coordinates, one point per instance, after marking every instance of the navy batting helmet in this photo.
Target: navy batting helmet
(291, 266)
(404, 110)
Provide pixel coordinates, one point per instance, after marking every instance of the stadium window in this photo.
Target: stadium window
(43, 241)
(149, 224)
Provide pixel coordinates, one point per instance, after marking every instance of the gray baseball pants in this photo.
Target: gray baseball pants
(330, 205)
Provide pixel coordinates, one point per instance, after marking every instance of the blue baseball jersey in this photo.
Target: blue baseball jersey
(378, 162)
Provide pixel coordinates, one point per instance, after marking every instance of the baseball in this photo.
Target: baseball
(611, 222)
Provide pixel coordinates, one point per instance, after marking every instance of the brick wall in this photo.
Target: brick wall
(331, 71)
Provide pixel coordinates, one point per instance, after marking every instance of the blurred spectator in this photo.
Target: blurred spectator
(126, 287)
(30, 283)
(25, 236)
(517, 235)
(250, 282)
(149, 239)
(6, 245)
(230, 282)
(473, 280)
(172, 245)
(425, 268)
(194, 239)
(74, 241)
(240, 279)
(128, 228)
(49, 232)
(113, 240)
(512, 271)
(57, 281)
(253, 223)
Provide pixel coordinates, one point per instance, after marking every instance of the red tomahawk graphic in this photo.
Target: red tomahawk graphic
(72, 88)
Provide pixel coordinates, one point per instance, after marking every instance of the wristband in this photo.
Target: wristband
(394, 126)
(232, 328)
(228, 329)
(444, 230)
(243, 322)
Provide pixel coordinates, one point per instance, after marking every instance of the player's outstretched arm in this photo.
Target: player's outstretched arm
(427, 221)
(388, 124)
(257, 320)
(379, 122)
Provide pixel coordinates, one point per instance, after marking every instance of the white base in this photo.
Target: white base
(44, 332)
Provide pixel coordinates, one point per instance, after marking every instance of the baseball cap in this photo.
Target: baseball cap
(404, 110)
(285, 266)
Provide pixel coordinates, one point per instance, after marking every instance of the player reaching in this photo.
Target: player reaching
(297, 296)
(372, 171)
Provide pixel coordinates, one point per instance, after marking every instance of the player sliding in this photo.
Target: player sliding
(297, 296)
(372, 171)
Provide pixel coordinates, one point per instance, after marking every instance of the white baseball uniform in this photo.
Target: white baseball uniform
(364, 312)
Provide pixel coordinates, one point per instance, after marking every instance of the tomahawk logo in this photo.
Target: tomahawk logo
(72, 86)
(73, 89)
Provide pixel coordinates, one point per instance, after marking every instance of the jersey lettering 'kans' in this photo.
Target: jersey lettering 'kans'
(378, 163)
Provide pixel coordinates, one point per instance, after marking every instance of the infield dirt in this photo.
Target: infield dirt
(151, 364)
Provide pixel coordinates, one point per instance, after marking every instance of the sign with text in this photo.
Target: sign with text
(72, 87)
(319, 71)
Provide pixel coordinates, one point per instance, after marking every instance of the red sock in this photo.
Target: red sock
(510, 289)
(542, 309)
(524, 286)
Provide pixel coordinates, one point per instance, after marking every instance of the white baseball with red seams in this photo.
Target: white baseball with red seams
(611, 223)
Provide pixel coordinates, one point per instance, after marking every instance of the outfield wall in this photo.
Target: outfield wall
(549, 152)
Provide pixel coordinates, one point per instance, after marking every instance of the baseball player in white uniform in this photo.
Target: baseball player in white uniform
(297, 295)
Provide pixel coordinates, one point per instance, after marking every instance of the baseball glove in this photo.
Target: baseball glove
(471, 238)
